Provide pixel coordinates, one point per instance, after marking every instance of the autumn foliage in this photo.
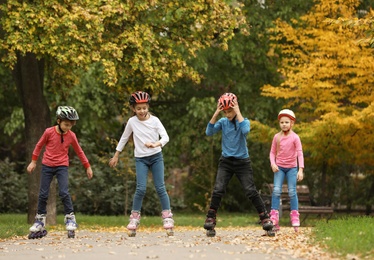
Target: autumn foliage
(328, 80)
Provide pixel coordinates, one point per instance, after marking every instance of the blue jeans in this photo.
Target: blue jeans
(62, 175)
(242, 168)
(154, 163)
(291, 175)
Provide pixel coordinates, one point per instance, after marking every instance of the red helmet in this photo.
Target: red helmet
(288, 113)
(226, 100)
(139, 97)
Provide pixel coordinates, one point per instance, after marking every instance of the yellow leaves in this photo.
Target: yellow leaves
(322, 64)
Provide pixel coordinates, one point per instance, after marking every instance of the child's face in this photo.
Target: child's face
(285, 123)
(66, 125)
(141, 110)
(229, 113)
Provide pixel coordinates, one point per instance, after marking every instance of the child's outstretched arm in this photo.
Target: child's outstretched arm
(114, 160)
(31, 167)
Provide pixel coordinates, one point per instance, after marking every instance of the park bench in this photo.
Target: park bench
(305, 203)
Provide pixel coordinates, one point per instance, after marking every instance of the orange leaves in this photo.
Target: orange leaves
(329, 78)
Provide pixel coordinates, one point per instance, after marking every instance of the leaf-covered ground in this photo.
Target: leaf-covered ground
(153, 243)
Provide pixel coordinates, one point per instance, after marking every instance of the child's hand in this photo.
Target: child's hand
(89, 173)
(152, 145)
(218, 109)
(31, 167)
(113, 161)
(300, 175)
(274, 168)
(235, 106)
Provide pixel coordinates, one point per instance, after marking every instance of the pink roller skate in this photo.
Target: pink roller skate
(295, 221)
(168, 222)
(274, 216)
(134, 223)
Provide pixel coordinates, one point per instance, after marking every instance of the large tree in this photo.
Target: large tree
(139, 44)
(328, 80)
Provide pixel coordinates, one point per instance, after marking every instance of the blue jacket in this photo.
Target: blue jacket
(234, 142)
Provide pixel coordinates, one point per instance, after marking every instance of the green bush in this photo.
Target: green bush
(13, 192)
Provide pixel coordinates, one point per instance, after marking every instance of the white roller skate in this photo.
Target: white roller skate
(295, 220)
(71, 224)
(37, 230)
(134, 223)
(274, 217)
(168, 222)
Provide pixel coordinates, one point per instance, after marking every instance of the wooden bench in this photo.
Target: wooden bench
(305, 204)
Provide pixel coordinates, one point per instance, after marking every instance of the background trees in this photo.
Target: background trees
(328, 78)
(186, 53)
(138, 44)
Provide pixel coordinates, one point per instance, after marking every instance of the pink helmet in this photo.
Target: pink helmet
(288, 113)
(226, 100)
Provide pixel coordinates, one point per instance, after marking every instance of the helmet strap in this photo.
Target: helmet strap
(234, 121)
(62, 133)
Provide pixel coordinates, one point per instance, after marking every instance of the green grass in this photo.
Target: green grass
(341, 236)
(347, 236)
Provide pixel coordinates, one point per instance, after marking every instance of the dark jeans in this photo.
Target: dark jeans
(242, 168)
(62, 175)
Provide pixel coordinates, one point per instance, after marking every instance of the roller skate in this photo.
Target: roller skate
(134, 223)
(71, 224)
(295, 220)
(210, 223)
(267, 224)
(274, 217)
(37, 230)
(168, 222)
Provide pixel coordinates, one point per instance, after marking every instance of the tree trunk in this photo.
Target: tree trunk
(323, 184)
(28, 74)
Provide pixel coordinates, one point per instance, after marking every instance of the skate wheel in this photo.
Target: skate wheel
(211, 233)
(71, 234)
(170, 232)
(270, 233)
(296, 229)
(132, 233)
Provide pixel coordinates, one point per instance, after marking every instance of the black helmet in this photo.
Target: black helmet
(139, 97)
(66, 112)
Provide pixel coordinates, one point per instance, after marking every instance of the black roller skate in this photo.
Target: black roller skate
(267, 224)
(71, 224)
(37, 230)
(210, 223)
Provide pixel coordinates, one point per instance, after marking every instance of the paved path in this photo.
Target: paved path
(187, 243)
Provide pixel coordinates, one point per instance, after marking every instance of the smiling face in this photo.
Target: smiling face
(141, 110)
(285, 123)
(229, 113)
